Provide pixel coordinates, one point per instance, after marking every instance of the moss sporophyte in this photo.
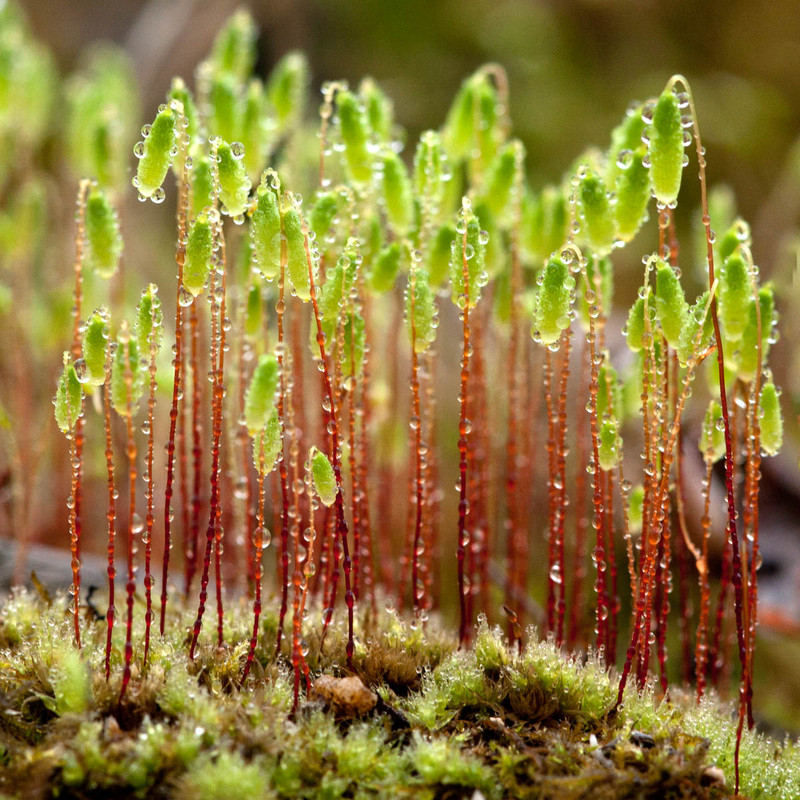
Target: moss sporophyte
(312, 285)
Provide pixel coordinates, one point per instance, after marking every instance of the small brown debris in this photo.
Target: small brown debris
(713, 776)
(346, 697)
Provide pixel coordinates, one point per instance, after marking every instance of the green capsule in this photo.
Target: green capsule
(609, 446)
(598, 229)
(487, 131)
(425, 318)
(225, 108)
(339, 284)
(267, 444)
(180, 91)
(553, 301)
(636, 509)
(459, 126)
(260, 396)
(354, 130)
(500, 178)
(771, 421)
(297, 259)
(431, 169)
(544, 223)
(355, 340)
(149, 322)
(634, 327)
(672, 310)
(380, 109)
(698, 314)
(126, 394)
(155, 155)
(287, 89)
(103, 239)
(626, 138)
(734, 296)
(254, 312)
(633, 190)
(495, 257)
(252, 133)
(234, 48)
(609, 391)
(265, 231)
(324, 476)
(199, 248)
(397, 192)
(69, 398)
(469, 248)
(712, 437)
(95, 342)
(234, 185)
(748, 353)
(385, 269)
(666, 148)
(321, 216)
(439, 254)
(202, 184)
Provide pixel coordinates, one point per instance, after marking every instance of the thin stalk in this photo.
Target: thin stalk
(111, 513)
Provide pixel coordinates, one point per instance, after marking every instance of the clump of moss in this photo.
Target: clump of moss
(448, 723)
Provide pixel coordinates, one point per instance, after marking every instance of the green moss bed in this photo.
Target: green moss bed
(419, 719)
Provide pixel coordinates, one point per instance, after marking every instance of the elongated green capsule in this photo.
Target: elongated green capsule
(297, 260)
(459, 126)
(734, 297)
(598, 229)
(252, 130)
(430, 165)
(635, 509)
(260, 396)
(468, 246)
(202, 185)
(267, 444)
(495, 254)
(95, 342)
(666, 148)
(424, 316)
(748, 353)
(103, 239)
(225, 108)
(634, 327)
(149, 322)
(338, 285)
(69, 397)
(544, 222)
(672, 310)
(380, 109)
(180, 91)
(609, 447)
(609, 391)
(155, 154)
(321, 216)
(354, 130)
(698, 314)
(551, 315)
(199, 247)
(397, 192)
(234, 185)
(384, 272)
(633, 190)
(487, 133)
(626, 138)
(323, 475)
(712, 437)
(771, 421)
(265, 232)
(254, 312)
(287, 89)
(501, 176)
(439, 254)
(124, 393)
(355, 339)
(234, 49)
